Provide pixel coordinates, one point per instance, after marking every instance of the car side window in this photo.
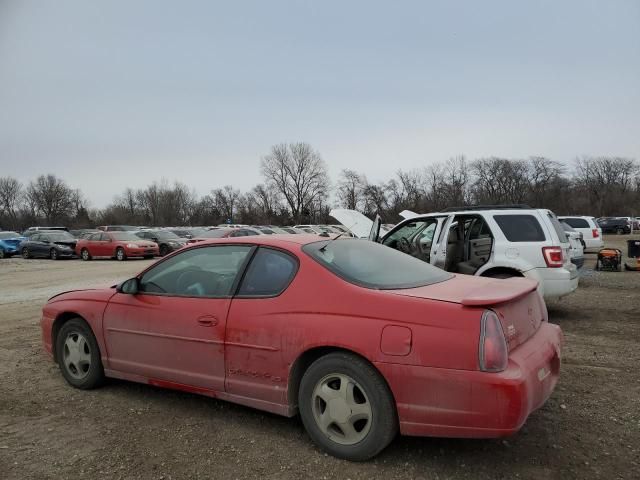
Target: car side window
(43, 238)
(520, 228)
(269, 273)
(103, 237)
(35, 238)
(200, 272)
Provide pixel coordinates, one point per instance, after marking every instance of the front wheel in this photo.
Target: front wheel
(163, 250)
(78, 355)
(346, 407)
(53, 254)
(120, 255)
(619, 231)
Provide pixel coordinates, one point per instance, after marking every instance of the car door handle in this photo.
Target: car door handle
(207, 321)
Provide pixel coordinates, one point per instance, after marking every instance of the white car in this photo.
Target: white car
(488, 241)
(587, 226)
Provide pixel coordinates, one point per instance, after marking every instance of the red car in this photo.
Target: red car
(224, 233)
(118, 245)
(360, 339)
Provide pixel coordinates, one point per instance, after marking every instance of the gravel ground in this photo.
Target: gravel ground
(590, 428)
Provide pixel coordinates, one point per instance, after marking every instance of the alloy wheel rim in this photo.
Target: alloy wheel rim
(76, 355)
(341, 409)
(25, 253)
(54, 254)
(85, 255)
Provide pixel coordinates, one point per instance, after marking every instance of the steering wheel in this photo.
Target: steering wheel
(404, 245)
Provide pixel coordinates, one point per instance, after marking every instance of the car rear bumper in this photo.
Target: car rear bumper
(593, 243)
(555, 283)
(474, 404)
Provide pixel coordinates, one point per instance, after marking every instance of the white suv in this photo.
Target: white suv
(591, 232)
(490, 241)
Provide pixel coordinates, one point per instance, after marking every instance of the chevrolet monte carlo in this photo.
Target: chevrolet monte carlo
(361, 340)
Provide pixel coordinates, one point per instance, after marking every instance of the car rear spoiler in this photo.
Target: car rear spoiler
(499, 291)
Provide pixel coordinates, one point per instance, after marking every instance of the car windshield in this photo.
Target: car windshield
(5, 235)
(372, 265)
(124, 236)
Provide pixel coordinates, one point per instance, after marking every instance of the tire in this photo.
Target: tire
(53, 254)
(349, 382)
(1, 253)
(85, 255)
(25, 253)
(78, 355)
(120, 255)
(619, 231)
(163, 250)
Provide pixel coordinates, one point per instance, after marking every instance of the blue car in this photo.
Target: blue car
(9, 243)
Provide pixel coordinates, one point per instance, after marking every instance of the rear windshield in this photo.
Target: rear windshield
(576, 222)
(521, 228)
(372, 265)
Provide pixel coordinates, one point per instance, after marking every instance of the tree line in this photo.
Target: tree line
(296, 189)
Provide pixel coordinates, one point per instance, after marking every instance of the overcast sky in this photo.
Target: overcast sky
(120, 93)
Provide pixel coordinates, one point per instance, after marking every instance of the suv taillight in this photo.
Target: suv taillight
(493, 353)
(595, 233)
(553, 256)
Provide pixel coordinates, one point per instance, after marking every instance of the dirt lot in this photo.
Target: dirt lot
(590, 428)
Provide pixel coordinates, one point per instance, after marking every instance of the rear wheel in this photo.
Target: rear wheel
(78, 355)
(53, 254)
(163, 250)
(619, 231)
(346, 407)
(25, 253)
(85, 255)
(120, 255)
(1, 253)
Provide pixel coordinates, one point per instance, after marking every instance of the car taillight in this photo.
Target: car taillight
(493, 346)
(595, 233)
(553, 256)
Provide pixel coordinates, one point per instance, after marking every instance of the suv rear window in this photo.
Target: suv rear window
(372, 265)
(576, 222)
(520, 228)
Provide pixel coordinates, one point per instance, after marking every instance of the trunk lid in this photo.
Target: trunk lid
(517, 301)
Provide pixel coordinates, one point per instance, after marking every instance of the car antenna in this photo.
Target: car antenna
(324, 247)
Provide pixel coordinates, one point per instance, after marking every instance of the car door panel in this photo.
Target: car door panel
(176, 339)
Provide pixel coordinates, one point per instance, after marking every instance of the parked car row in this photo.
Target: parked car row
(127, 241)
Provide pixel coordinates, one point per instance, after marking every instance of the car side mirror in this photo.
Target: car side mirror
(129, 287)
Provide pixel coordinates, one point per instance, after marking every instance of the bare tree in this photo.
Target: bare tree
(51, 197)
(225, 200)
(299, 174)
(10, 198)
(350, 189)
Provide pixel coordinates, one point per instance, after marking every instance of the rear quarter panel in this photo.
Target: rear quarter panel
(265, 337)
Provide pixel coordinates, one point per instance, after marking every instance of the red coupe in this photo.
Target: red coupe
(360, 339)
(118, 245)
